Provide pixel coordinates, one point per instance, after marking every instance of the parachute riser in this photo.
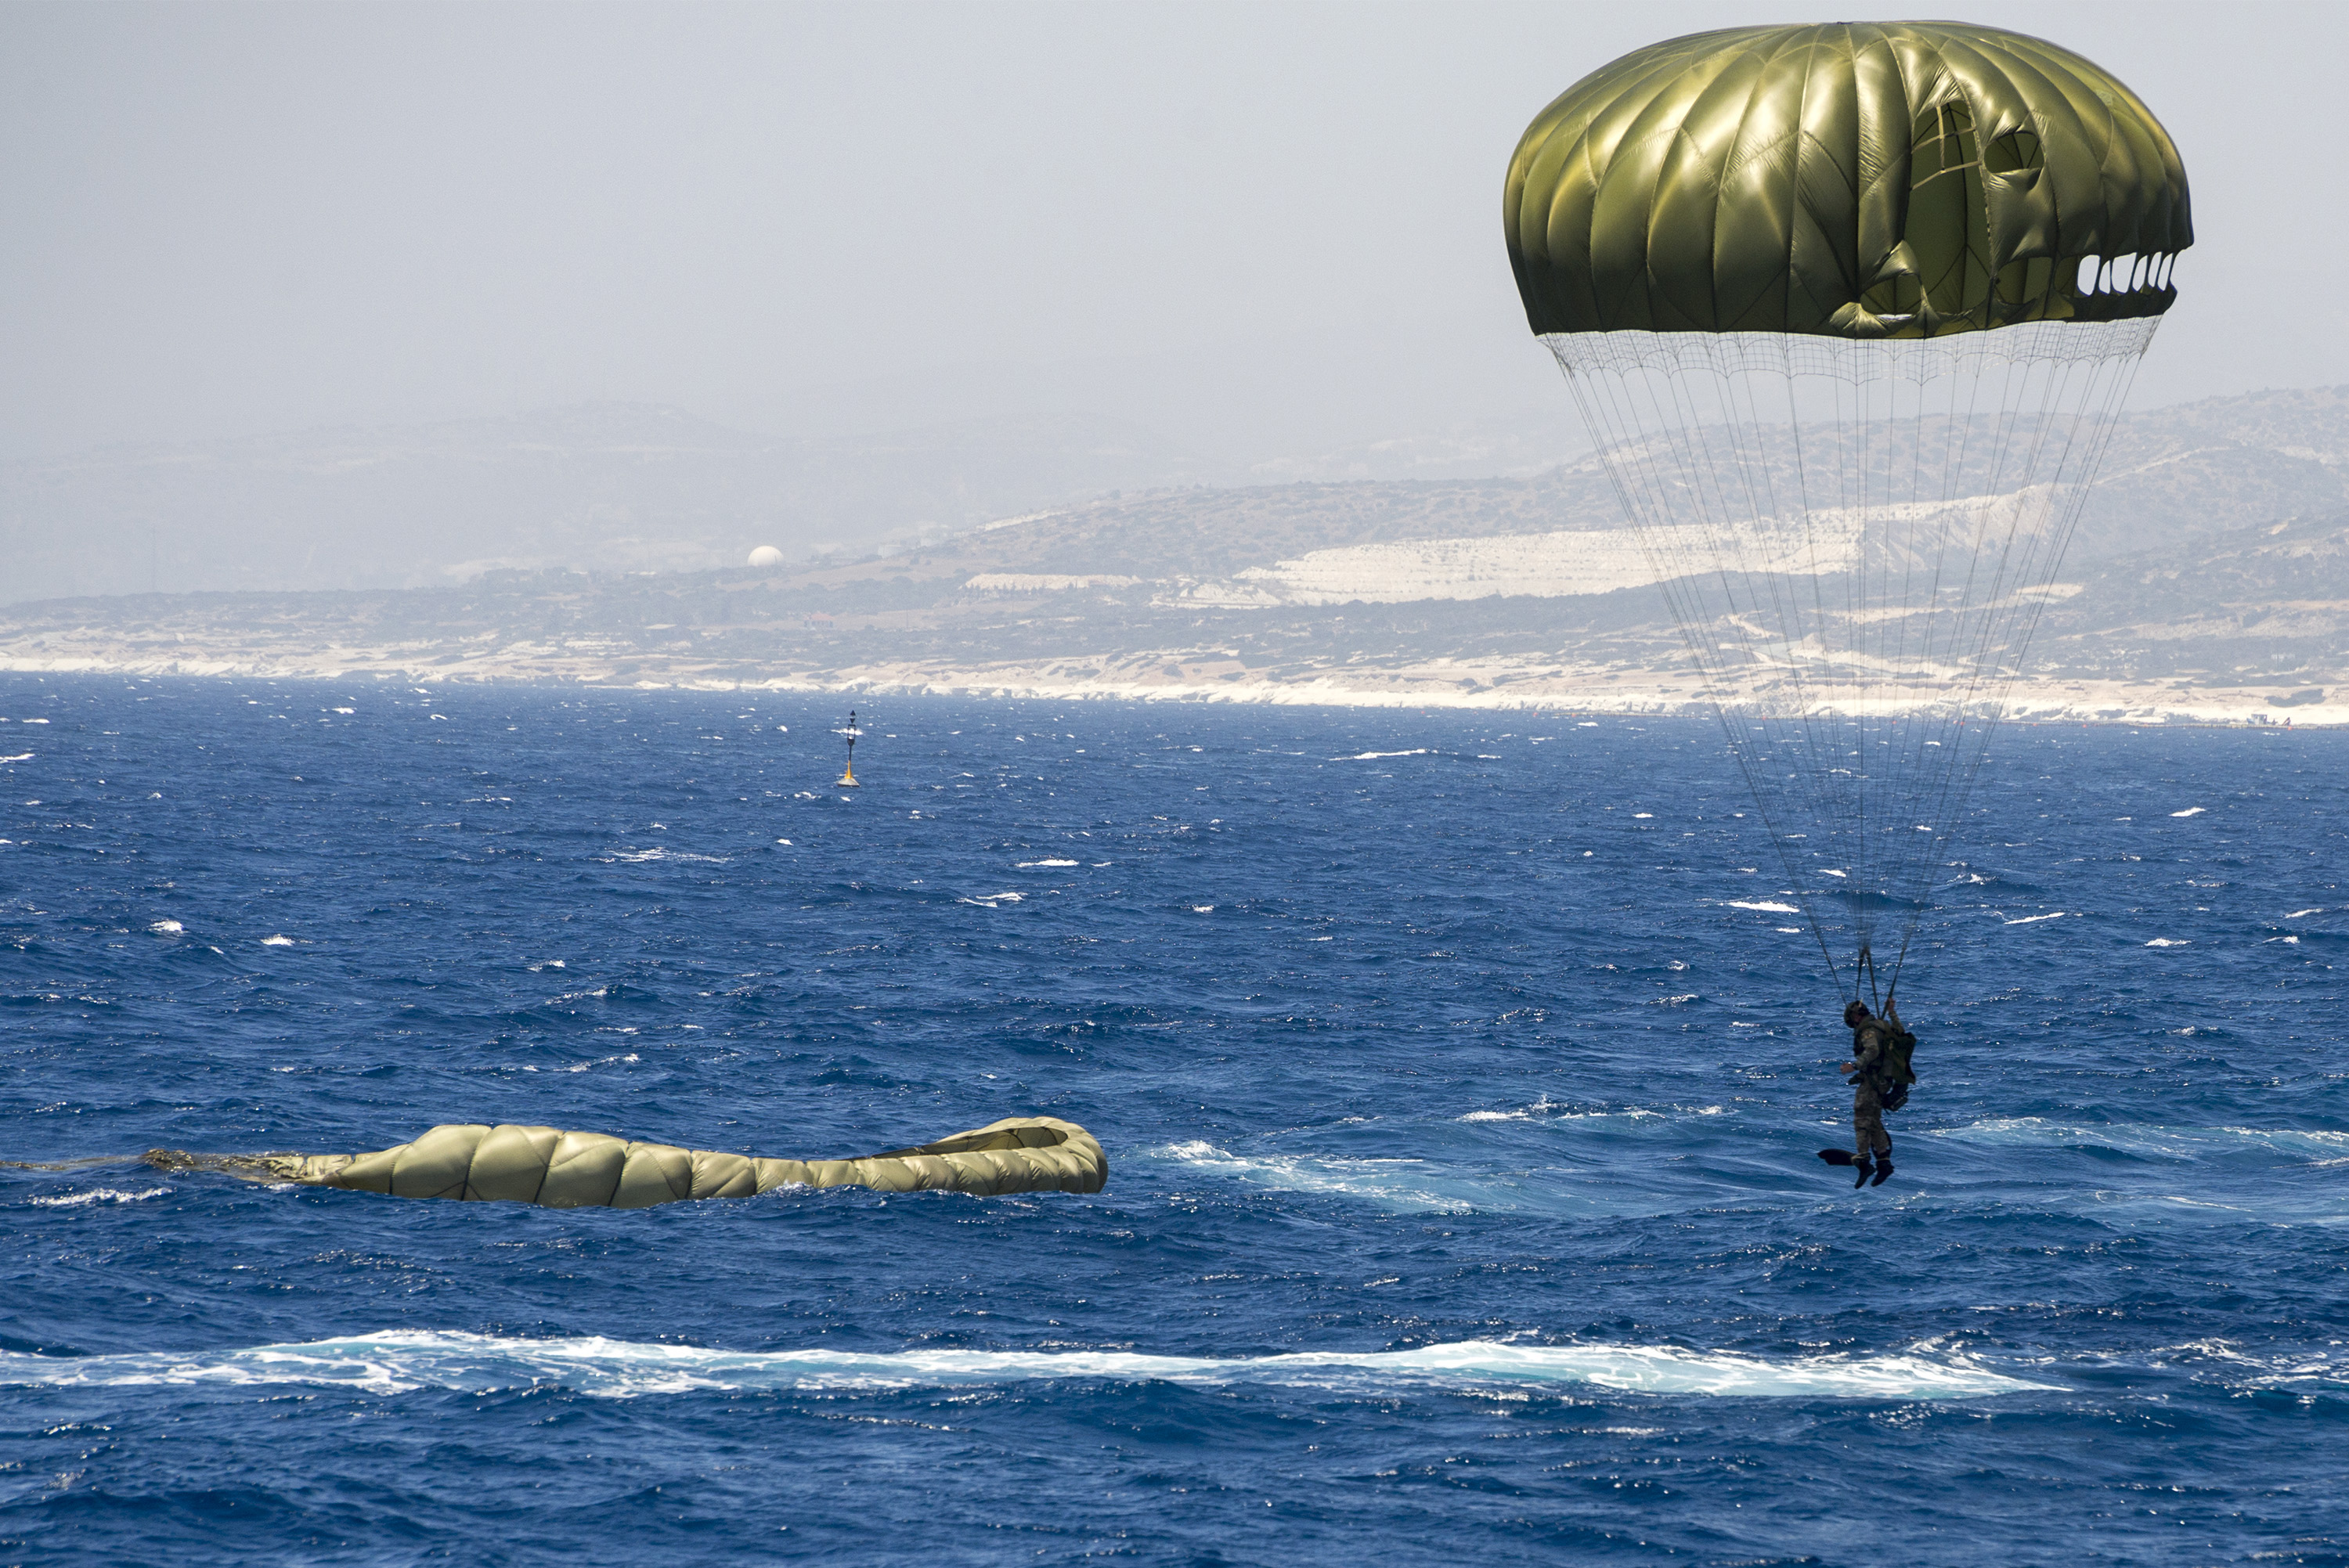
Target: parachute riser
(1865, 966)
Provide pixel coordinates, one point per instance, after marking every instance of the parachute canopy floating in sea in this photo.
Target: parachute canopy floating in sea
(1849, 310)
(558, 1169)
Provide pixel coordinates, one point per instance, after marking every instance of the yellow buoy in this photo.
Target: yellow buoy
(848, 766)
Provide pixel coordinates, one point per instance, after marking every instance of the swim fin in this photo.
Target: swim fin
(1883, 1170)
(1835, 1156)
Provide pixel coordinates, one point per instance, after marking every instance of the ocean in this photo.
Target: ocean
(1460, 1085)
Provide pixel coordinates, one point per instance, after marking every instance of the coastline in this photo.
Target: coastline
(1497, 685)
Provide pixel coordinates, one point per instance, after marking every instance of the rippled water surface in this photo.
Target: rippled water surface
(1460, 1091)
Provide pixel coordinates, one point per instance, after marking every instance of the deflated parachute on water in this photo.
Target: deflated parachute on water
(558, 1169)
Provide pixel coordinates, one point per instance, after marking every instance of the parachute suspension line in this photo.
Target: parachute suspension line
(2024, 574)
(1622, 431)
(1927, 490)
(1820, 785)
(1610, 407)
(2082, 442)
(1631, 430)
(2115, 369)
(1616, 429)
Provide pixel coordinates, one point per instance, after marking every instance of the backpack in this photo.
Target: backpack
(1892, 1075)
(1895, 1071)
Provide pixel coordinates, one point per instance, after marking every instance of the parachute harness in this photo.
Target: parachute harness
(1857, 540)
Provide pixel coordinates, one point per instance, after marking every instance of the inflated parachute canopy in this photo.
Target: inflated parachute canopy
(1849, 180)
(558, 1169)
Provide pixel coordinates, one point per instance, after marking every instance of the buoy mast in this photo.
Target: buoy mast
(848, 769)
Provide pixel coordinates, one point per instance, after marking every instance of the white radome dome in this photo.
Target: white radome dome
(766, 555)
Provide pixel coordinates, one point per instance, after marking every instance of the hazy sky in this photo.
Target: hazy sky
(1256, 228)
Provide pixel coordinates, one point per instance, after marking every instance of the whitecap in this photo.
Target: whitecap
(2296, 913)
(1024, 865)
(2031, 919)
(1404, 1183)
(20, 757)
(602, 1061)
(1765, 908)
(1542, 1108)
(1546, 1108)
(1377, 756)
(2170, 942)
(99, 1195)
(993, 900)
(2315, 1145)
(2191, 811)
(167, 928)
(402, 1360)
(280, 941)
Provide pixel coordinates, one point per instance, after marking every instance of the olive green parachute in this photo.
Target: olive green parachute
(1849, 311)
(559, 1170)
(1849, 180)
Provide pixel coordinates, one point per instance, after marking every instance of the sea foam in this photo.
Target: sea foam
(404, 1361)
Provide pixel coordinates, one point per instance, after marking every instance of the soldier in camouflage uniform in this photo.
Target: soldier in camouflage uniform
(1870, 1037)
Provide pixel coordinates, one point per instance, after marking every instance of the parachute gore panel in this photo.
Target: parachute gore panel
(1849, 179)
(559, 1170)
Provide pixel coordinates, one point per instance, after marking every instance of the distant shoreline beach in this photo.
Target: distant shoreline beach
(1500, 684)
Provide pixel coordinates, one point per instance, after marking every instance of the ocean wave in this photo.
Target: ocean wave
(2319, 1145)
(404, 1361)
(600, 1062)
(1540, 1110)
(1404, 1183)
(1547, 1110)
(98, 1195)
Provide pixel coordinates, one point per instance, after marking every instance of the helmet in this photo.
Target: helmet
(1853, 1014)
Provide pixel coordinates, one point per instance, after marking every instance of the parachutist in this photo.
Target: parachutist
(1879, 1082)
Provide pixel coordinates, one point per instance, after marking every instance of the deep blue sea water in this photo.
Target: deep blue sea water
(1462, 1202)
